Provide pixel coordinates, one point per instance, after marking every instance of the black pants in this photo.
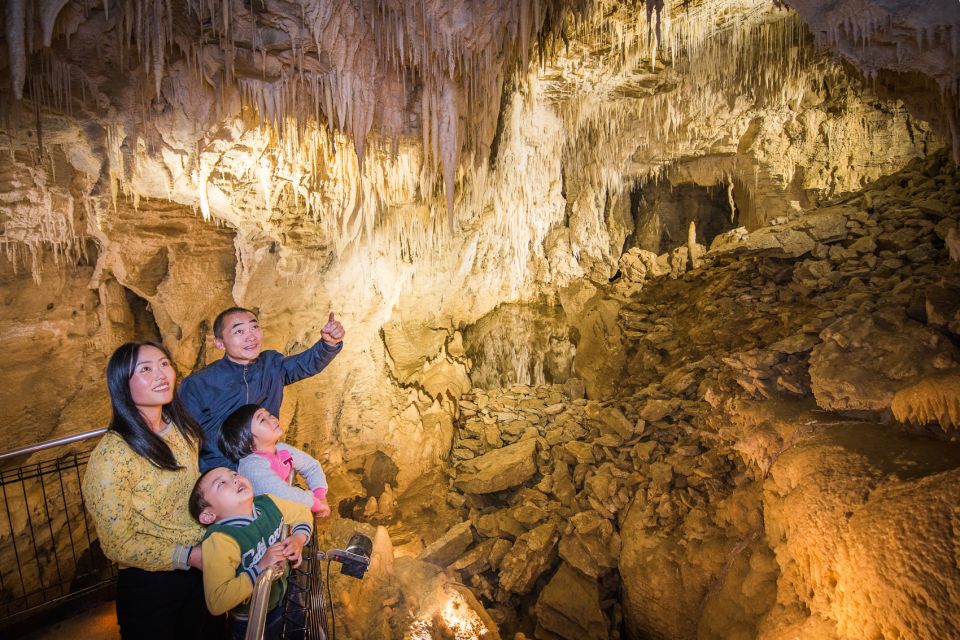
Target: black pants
(159, 605)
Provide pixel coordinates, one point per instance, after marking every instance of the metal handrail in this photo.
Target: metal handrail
(48, 545)
(314, 605)
(257, 615)
(50, 444)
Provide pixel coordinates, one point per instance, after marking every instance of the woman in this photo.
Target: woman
(137, 485)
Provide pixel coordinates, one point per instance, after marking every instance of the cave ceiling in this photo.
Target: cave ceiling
(418, 164)
(326, 124)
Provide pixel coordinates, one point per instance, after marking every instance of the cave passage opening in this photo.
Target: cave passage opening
(662, 213)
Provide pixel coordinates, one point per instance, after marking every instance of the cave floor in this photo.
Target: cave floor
(99, 622)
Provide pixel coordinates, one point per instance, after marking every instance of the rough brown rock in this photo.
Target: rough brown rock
(864, 359)
(848, 512)
(531, 555)
(499, 469)
(449, 546)
(569, 608)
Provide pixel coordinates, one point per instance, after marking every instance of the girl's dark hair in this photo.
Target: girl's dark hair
(236, 437)
(130, 423)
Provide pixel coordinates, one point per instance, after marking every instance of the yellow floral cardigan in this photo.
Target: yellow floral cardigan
(140, 511)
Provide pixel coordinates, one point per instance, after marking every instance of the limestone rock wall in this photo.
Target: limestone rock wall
(706, 494)
(658, 482)
(298, 228)
(901, 43)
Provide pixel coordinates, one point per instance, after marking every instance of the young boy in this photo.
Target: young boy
(243, 539)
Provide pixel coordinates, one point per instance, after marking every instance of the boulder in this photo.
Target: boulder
(531, 555)
(478, 559)
(500, 524)
(449, 546)
(592, 546)
(499, 469)
(827, 225)
(667, 572)
(654, 410)
(569, 608)
(865, 358)
(613, 421)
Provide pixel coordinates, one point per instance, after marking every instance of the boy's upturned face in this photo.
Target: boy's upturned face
(227, 494)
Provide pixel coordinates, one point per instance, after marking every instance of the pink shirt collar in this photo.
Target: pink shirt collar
(281, 462)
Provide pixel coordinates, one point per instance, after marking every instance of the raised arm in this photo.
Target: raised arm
(316, 358)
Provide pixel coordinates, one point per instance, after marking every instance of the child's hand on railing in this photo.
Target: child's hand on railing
(274, 555)
(320, 508)
(293, 548)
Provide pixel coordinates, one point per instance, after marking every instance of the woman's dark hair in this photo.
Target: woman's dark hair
(130, 423)
(236, 436)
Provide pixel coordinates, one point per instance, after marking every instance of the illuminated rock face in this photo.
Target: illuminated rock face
(438, 174)
(541, 200)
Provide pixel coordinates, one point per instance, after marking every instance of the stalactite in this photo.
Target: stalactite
(15, 16)
(49, 10)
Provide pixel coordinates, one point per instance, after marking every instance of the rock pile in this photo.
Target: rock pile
(648, 506)
(545, 481)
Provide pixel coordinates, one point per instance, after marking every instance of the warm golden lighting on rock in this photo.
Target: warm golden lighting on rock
(652, 308)
(453, 619)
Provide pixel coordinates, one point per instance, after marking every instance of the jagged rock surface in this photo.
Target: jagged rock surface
(709, 496)
(151, 183)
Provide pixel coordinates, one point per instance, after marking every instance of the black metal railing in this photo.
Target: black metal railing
(49, 554)
(305, 612)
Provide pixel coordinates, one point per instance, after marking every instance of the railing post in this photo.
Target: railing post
(257, 616)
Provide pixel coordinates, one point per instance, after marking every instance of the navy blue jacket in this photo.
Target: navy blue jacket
(214, 392)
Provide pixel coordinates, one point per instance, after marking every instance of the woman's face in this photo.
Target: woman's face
(151, 384)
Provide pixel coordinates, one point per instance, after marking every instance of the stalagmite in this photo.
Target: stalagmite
(381, 558)
(371, 508)
(953, 243)
(693, 248)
